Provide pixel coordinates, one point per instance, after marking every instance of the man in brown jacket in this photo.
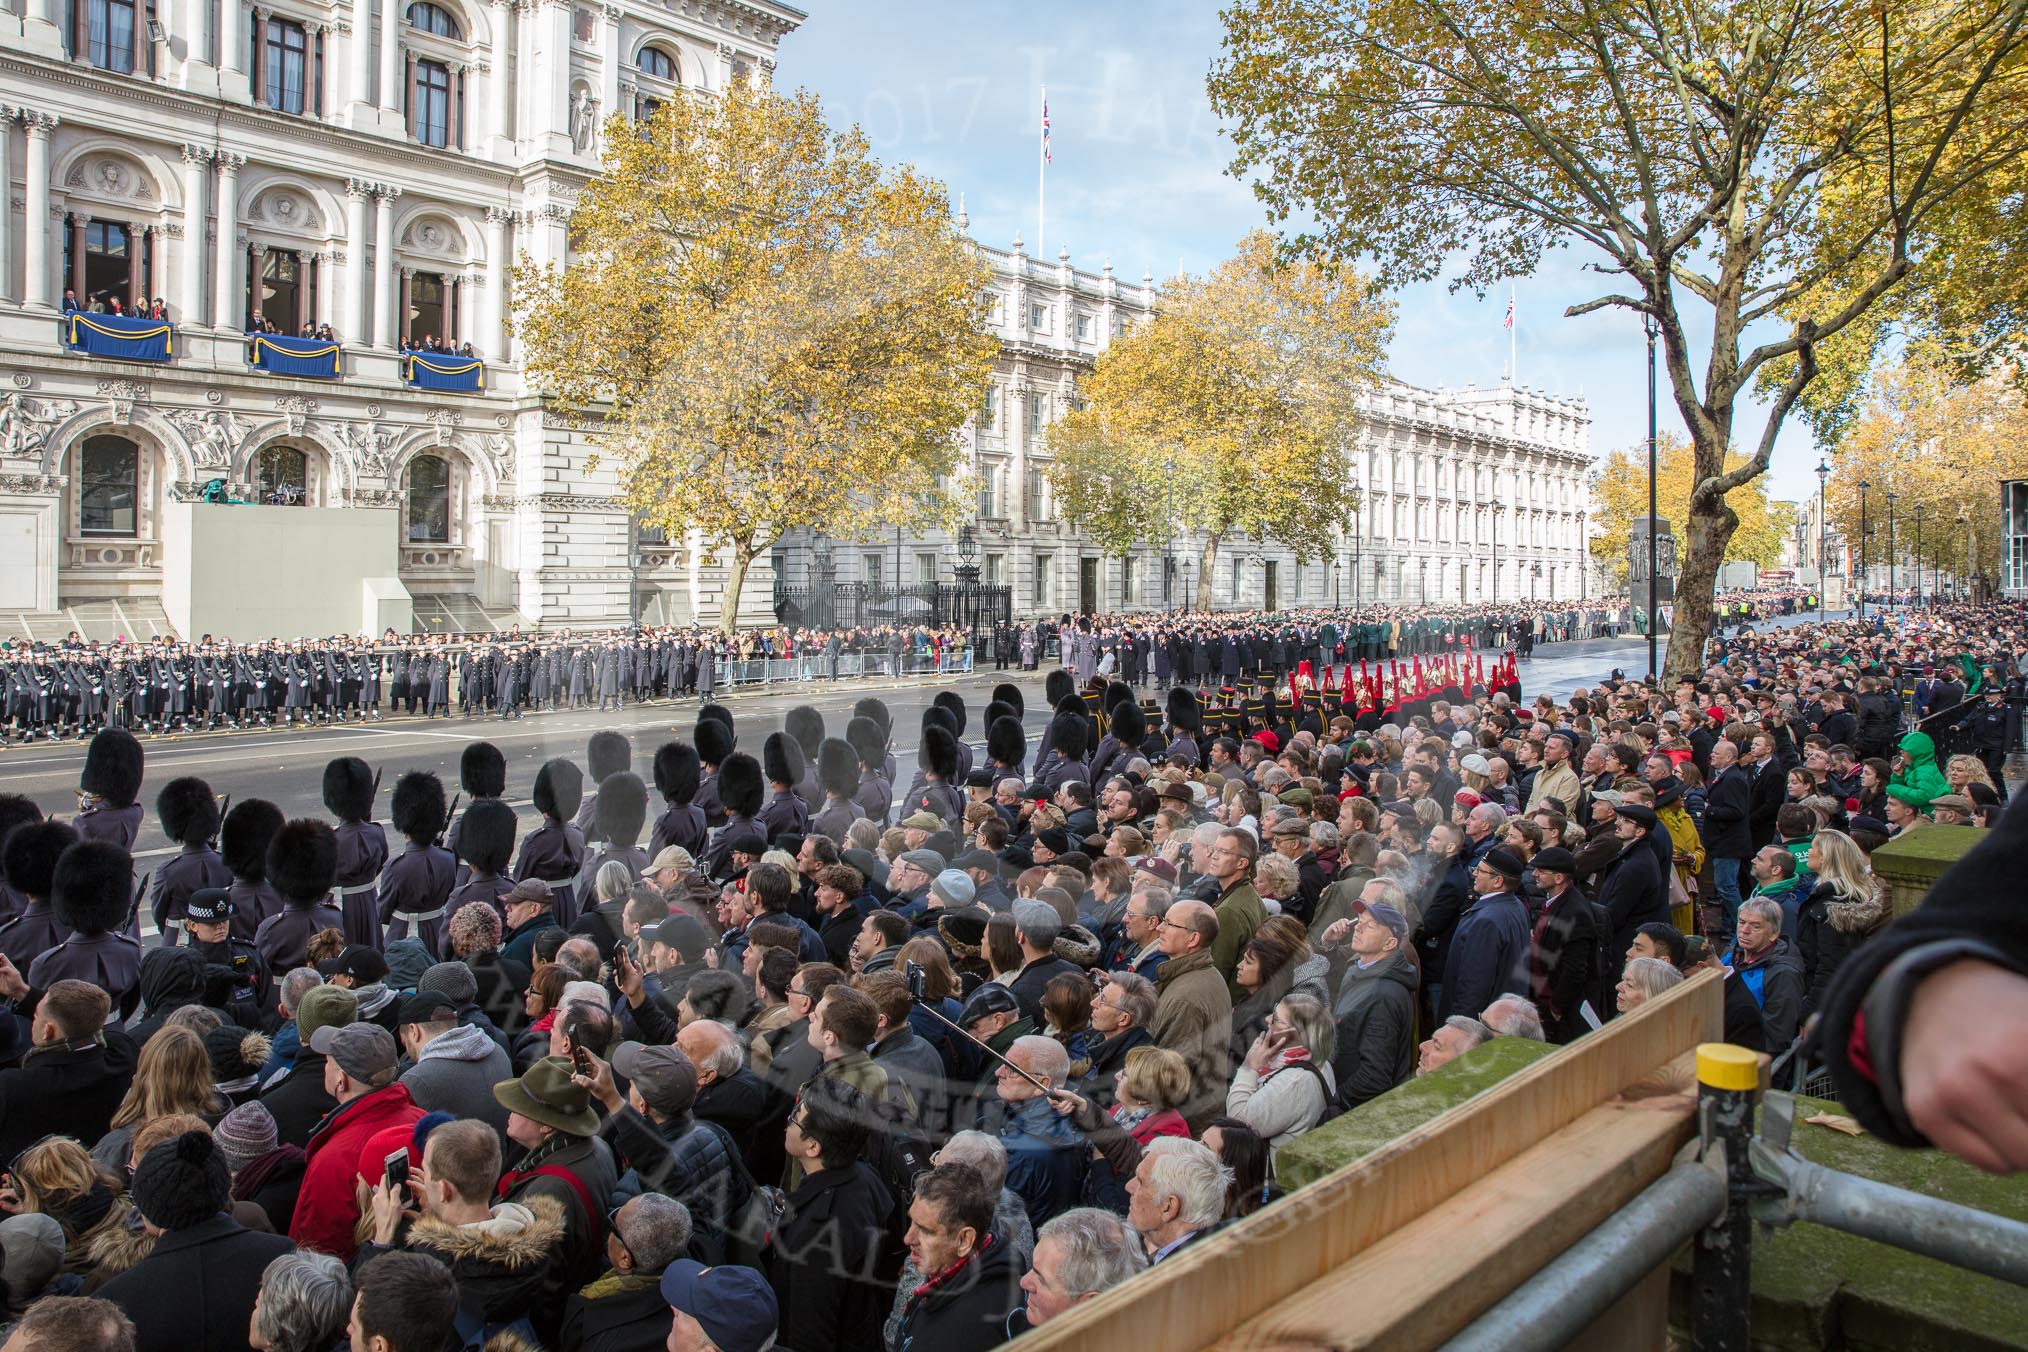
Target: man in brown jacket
(1193, 1009)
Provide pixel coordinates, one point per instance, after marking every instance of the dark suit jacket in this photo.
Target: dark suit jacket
(195, 1291)
(71, 1089)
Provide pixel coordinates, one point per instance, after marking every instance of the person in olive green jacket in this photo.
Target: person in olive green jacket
(1238, 906)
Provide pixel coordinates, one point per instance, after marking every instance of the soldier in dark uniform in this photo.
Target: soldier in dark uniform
(416, 882)
(939, 793)
(482, 773)
(208, 922)
(189, 815)
(784, 813)
(485, 845)
(677, 775)
(623, 813)
(349, 789)
(1006, 744)
(108, 787)
(92, 890)
(243, 842)
(714, 739)
(877, 710)
(301, 864)
(874, 798)
(438, 698)
(740, 788)
(29, 856)
(606, 754)
(1987, 724)
(838, 775)
(806, 725)
(555, 851)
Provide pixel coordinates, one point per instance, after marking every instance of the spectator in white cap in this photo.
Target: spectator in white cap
(952, 890)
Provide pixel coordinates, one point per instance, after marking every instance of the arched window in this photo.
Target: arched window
(429, 500)
(283, 474)
(108, 492)
(658, 63)
(427, 18)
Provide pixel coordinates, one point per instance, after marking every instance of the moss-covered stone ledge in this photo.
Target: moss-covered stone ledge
(1911, 864)
(1402, 1109)
(1818, 1288)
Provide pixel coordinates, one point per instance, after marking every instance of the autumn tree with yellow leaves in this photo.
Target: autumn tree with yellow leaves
(781, 333)
(1233, 408)
(1619, 489)
(1754, 177)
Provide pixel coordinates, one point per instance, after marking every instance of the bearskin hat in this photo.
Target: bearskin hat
(348, 788)
(1010, 694)
(1185, 713)
(940, 751)
(718, 713)
(1057, 684)
(486, 835)
(868, 739)
(31, 852)
(1071, 734)
(187, 810)
(418, 806)
(244, 837)
(608, 753)
(837, 767)
(559, 789)
(954, 704)
(622, 809)
(1129, 724)
(782, 759)
(1006, 741)
(303, 858)
(995, 711)
(936, 716)
(806, 725)
(16, 810)
(875, 709)
(92, 887)
(739, 784)
(677, 771)
(1073, 703)
(713, 741)
(482, 770)
(1116, 693)
(112, 767)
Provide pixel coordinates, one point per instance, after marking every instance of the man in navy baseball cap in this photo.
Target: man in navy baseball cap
(729, 1308)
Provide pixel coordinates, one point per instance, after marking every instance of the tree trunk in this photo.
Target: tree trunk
(1207, 560)
(1710, 528)
(735, 583)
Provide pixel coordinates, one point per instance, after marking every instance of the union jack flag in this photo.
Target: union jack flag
(1046, 157)
(1510, 314)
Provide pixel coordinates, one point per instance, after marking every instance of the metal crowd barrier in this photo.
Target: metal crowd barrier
(739, 672)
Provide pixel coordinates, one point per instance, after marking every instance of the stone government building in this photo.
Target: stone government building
(375, 166)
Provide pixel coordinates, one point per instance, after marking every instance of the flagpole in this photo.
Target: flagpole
(1041, 174)
(1513, 339)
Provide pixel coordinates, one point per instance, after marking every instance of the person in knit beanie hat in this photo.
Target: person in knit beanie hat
(245, 1134)
(197, 1293)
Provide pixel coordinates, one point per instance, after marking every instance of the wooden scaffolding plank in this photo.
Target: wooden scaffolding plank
(1207, 1290)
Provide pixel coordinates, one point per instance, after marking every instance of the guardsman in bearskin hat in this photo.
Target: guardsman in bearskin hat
(555, 851)
(874, 797)
(623, 815)
(678, 772)
(606, 754)
(740, 789)
(1186, 726)
(189, 815)
(107, 788)
(877, 710)
(482, 775)
(302, 862)
(714, 737)
(954, 705)
(243, 840)
(29, 853)
(838, 776)
(784, 813)
(349, 789)
(806, 725)
(416, 883)
(1069, 740)
(208, 922)
(939, 793)
(1006, 742)
(92, 890)
(485, 847)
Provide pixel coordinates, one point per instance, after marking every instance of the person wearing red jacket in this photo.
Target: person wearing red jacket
(359, 1072)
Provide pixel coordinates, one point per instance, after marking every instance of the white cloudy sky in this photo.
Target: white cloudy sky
(1138, 177)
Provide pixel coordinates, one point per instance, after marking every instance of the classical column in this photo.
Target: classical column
(359, 57)
(351, 323)
(405, 303)
(1017, 406)
(258, 76)
(492, 341)
(232, 35)
(76, 281)
(226, 310)
(609, 67)
(549, 98)
(390, 50)
(498, 120)
(7, 116)
(256, 275)
(383, 265)
(44, 26)
(35, 239)
(196, 16)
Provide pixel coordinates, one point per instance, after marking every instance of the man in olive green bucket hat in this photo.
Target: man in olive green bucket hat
(551, 1116)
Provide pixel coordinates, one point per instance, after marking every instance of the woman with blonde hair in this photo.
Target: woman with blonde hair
(1285, 1084)
(172, 1075)
(1962, 770)
(1150, 1087)
(57, 1178)
(1847, 907)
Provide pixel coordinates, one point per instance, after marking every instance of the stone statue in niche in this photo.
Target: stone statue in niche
(584, 114)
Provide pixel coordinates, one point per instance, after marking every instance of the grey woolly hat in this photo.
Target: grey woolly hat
(452, 979)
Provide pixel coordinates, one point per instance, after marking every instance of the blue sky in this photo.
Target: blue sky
(1138, 176)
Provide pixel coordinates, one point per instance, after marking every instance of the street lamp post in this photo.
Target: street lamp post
(1169, 519)
(1648, 327)
(1891, 546)
(1863, 486)
(1823, 476)
(1919, 510)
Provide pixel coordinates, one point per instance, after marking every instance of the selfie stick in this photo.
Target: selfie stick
(915, 994)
